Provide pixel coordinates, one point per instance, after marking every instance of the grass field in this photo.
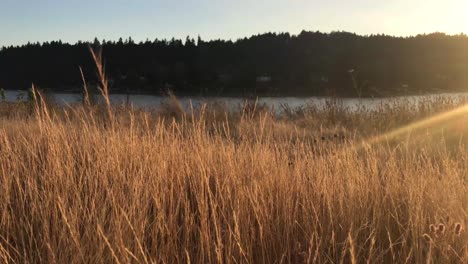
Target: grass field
(97, 184)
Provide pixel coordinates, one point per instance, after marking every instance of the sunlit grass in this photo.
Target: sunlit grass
(427, 125)
(101, 184)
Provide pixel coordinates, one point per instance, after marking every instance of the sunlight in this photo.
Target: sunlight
(453, 114)
(455, 21)
(461, 11)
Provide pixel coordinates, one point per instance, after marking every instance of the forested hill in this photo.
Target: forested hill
(311, 63)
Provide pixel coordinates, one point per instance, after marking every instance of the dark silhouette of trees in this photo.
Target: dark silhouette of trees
(311, 63)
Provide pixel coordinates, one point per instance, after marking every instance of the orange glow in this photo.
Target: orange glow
(453, 115)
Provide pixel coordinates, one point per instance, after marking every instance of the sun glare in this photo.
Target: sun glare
(455, 115)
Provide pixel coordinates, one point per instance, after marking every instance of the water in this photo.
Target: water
(151, 101)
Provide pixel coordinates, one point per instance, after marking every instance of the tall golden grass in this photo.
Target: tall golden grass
(112, 184)
(215, 186)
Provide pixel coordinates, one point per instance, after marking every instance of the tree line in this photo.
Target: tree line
(271, 64)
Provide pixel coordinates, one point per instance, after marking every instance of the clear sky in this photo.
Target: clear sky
(71, 20)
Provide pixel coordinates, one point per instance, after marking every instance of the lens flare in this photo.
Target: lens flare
(455, 114)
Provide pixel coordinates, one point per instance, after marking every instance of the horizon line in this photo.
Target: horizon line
(233, 39)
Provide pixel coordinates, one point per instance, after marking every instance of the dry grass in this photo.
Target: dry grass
(106, 184)
(114, 185)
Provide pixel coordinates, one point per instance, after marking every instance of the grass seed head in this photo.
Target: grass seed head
(441, 229)
(427, 238)
(458, 229)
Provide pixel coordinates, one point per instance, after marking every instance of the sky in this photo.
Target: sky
(71, 20)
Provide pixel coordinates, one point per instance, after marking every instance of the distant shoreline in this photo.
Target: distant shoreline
(444, 93)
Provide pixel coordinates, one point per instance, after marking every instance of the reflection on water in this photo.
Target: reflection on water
(273, 102)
